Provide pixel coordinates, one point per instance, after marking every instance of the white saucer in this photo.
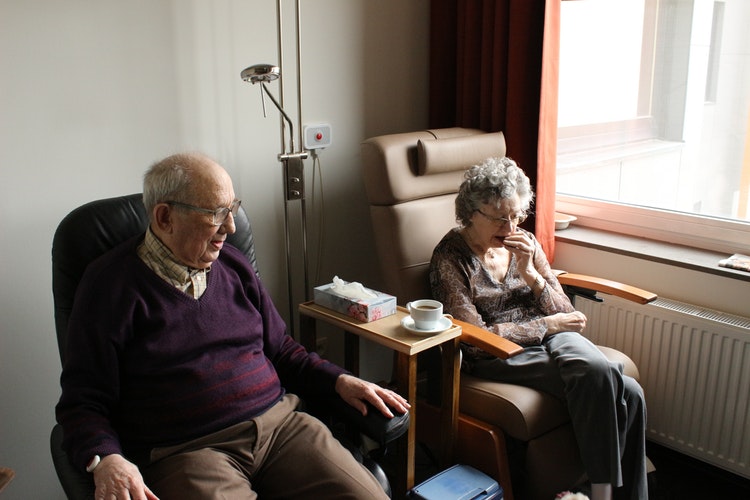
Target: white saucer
(442, 325)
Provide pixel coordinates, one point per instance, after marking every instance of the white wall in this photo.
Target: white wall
(92, 92)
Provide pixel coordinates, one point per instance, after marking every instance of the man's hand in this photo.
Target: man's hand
(356, 391)
(116, 478)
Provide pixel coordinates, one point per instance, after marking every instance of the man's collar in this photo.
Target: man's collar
(160, 256)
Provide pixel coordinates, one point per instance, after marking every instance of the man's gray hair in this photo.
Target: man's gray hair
(169, 179)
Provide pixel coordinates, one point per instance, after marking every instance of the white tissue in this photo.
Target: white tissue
(351, 290)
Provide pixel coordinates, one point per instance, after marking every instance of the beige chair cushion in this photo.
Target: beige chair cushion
(629, 367)
(521, 412)
(405, 267)
(457, 153)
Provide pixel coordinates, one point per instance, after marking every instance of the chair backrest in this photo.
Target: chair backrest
(411, 181)
(98, 226)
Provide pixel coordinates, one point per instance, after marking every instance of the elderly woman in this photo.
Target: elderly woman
(492, 273)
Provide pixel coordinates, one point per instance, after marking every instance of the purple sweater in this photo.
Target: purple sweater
(148, 366)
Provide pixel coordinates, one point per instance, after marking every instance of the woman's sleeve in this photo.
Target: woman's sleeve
(450, 279)
(552, 300)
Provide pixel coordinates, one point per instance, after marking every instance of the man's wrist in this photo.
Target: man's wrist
(91, 465)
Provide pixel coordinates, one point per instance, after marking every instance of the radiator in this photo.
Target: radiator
(694, 367)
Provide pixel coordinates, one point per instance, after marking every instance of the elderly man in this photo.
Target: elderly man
(179, 367)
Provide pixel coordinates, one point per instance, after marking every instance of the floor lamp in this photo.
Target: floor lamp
(294, 176)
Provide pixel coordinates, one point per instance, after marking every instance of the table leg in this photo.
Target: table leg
(308, 335)
(351, 353)
(451, 374)
(406, 378)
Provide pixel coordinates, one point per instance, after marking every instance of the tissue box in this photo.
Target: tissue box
(362, 309)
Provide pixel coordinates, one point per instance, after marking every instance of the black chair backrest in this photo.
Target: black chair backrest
(98, 226)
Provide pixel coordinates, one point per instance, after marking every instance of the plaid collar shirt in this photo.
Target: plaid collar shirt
(162, 261)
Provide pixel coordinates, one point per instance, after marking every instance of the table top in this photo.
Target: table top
(386, 331)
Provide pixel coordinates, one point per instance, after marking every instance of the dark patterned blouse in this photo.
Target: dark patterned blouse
(507, 308)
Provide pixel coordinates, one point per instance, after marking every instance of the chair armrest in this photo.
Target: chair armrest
(374, 425)
(77, 484)
(607, 286)
(504, 349)
(487, 341)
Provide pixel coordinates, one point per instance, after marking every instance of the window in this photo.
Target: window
(654, 107)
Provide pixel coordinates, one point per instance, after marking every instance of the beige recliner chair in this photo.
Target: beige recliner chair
(411, 181)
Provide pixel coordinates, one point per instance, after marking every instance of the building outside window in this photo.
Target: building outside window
(654, 107)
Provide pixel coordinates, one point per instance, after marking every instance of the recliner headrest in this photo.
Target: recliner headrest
(392, 165)
(457, 153)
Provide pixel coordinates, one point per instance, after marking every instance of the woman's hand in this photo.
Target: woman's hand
(521, 246)
(565, 322)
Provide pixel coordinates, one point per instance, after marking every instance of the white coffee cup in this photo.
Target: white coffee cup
(426, 313)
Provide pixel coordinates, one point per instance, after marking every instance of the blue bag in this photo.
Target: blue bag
(459, 482)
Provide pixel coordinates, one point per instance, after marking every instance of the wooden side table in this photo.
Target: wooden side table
(389, 333)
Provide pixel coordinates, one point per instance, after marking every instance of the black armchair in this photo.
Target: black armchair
(94, 228)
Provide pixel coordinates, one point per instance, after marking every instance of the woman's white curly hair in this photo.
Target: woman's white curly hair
(495, 179)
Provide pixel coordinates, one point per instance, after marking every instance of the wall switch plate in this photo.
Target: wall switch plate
(294, 178)
(316, 136)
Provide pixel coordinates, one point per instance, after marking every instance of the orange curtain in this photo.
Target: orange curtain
(494, 66)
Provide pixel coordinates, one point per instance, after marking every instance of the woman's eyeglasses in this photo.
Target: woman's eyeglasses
(502, 221)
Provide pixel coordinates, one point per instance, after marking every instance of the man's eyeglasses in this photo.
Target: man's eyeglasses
(502, 221)
(219, 216)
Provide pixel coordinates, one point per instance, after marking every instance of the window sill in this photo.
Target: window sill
(665, 253)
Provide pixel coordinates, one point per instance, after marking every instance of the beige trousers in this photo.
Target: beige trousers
(282, 453)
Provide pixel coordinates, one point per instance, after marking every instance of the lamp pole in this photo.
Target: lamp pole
(293, 179)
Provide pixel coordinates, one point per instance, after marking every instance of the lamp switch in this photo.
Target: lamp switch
(316, 136)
